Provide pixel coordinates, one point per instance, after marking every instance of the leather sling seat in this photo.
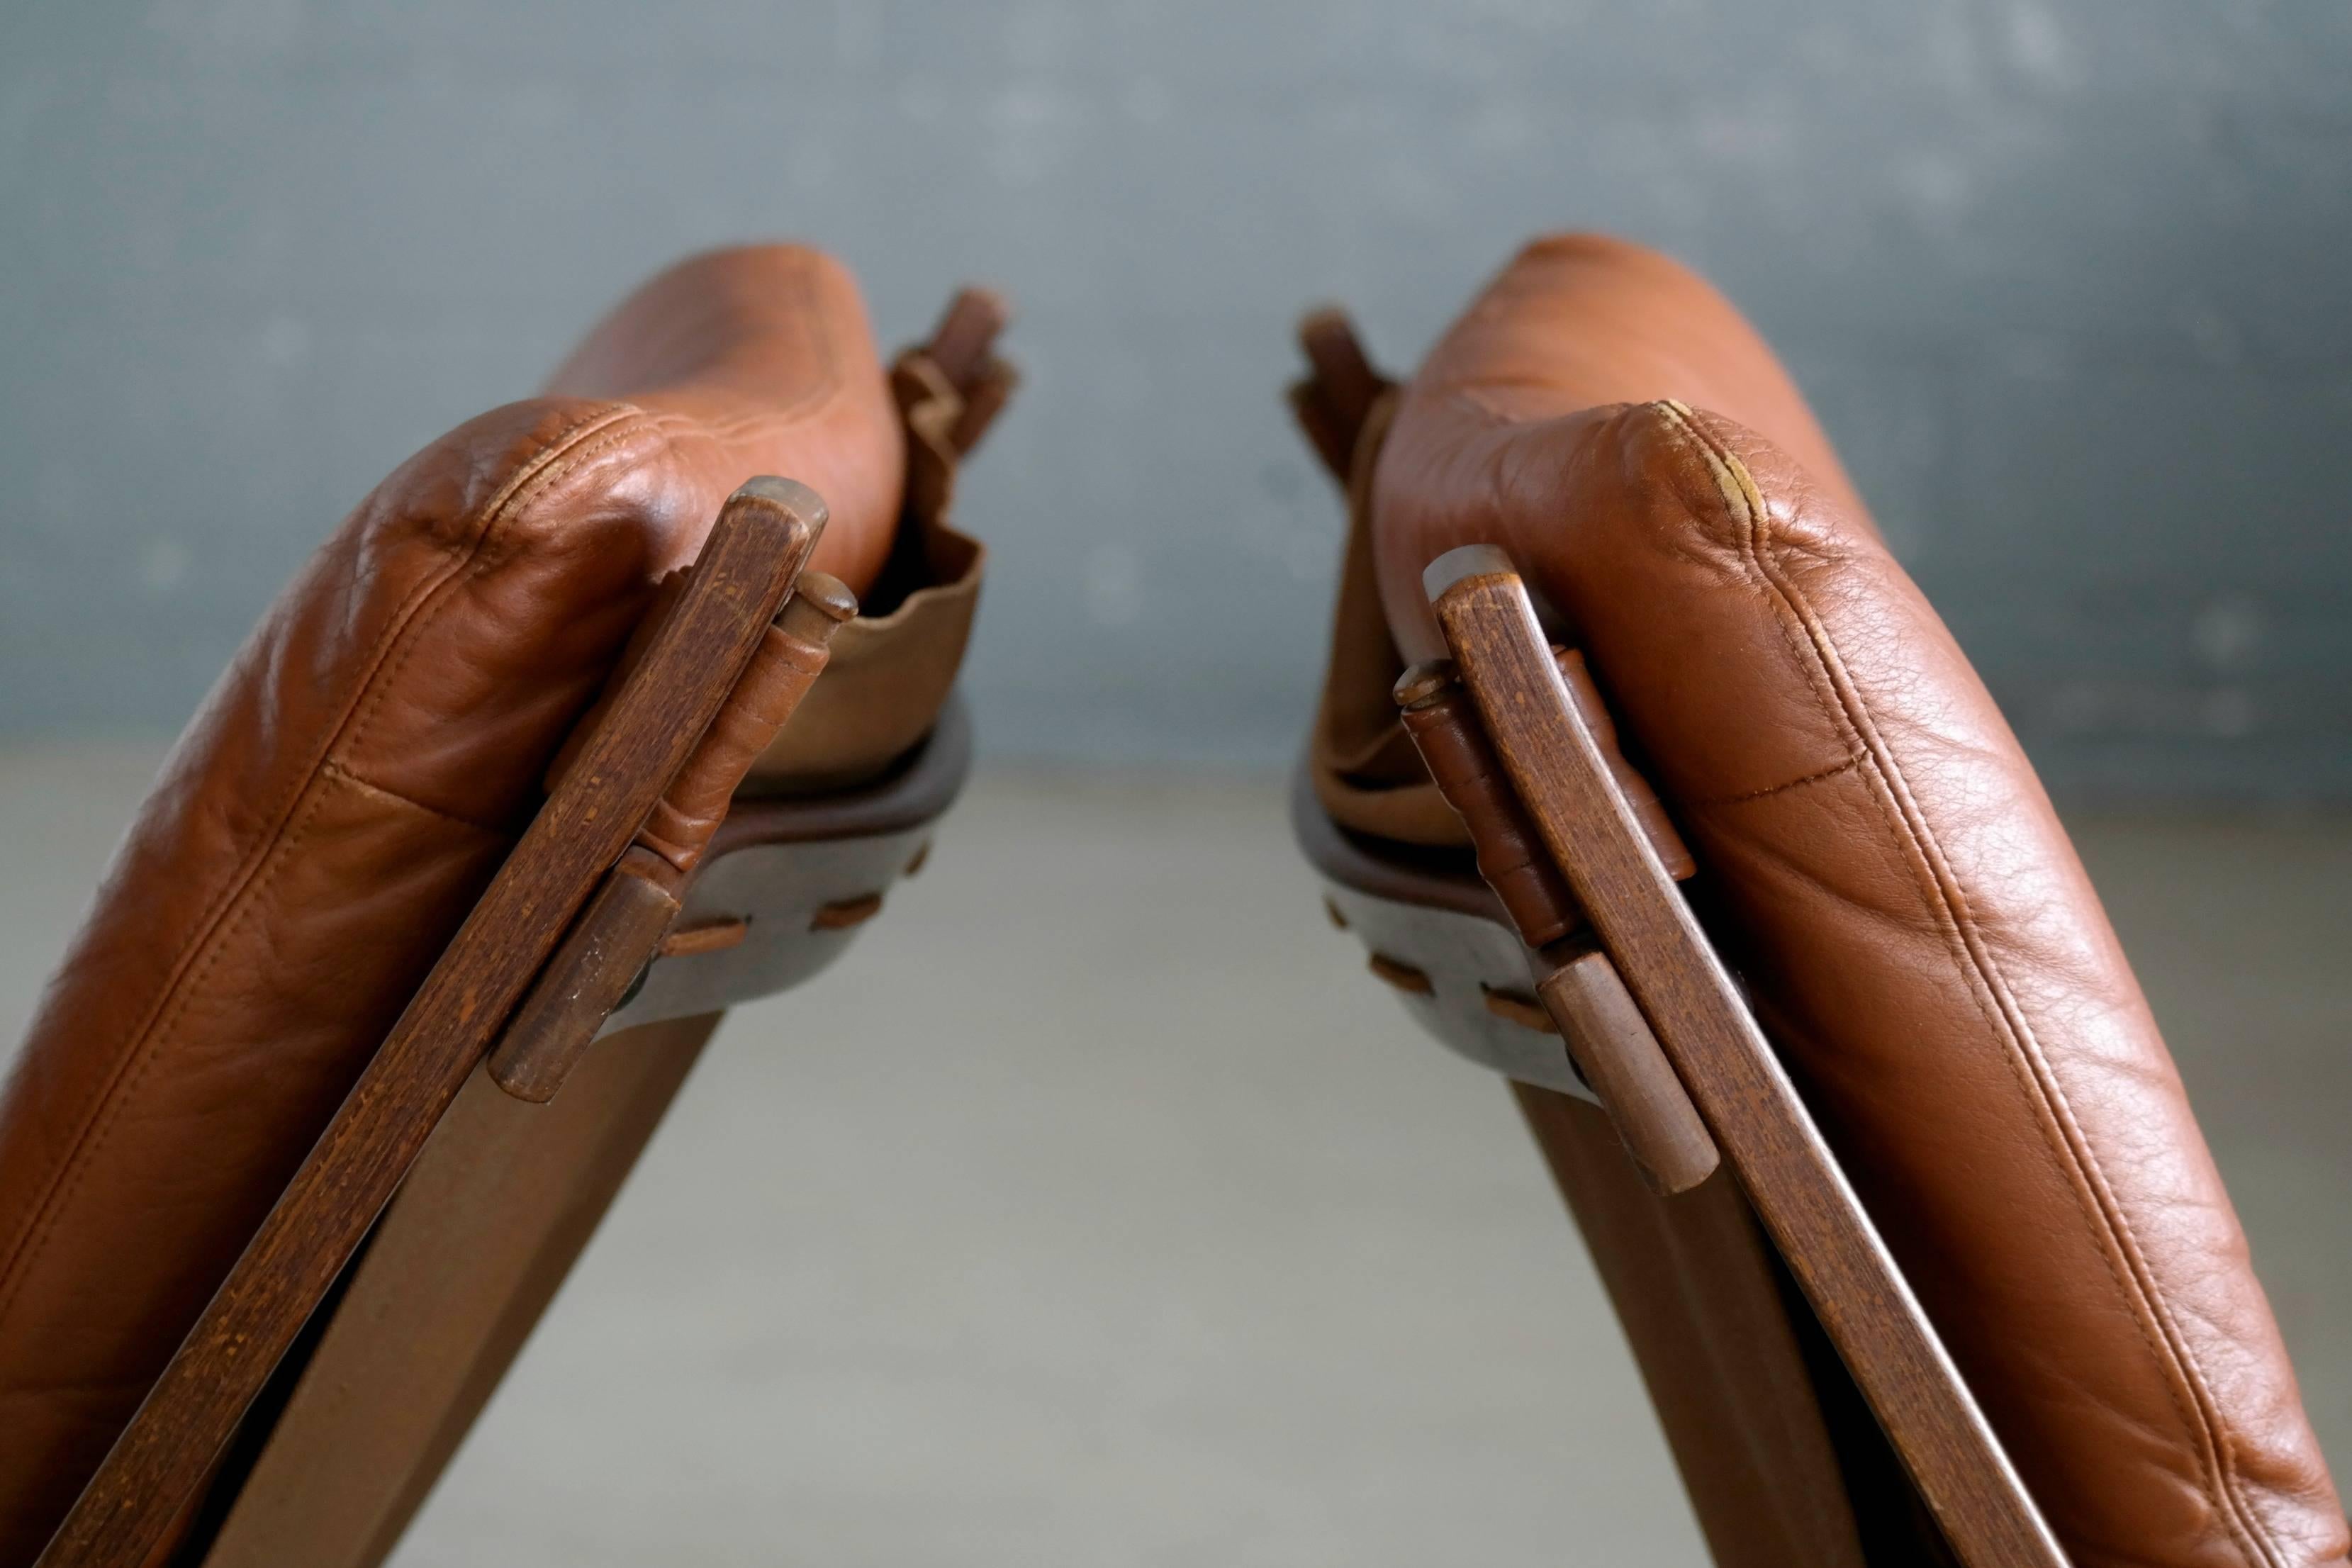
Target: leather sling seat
(1920, 940)
(347, 791)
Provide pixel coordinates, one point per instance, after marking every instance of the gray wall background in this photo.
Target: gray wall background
(2067, 281)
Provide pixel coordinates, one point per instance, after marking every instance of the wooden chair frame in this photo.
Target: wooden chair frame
(309, 1410)
(361, 1419)
(1560, 953)
(1571, 962)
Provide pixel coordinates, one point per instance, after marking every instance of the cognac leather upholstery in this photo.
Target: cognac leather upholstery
(1921, 940)
(347, 791)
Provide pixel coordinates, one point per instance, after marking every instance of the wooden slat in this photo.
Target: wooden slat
(1580, 995)
(755, 552)
(1702, 1305)
(1747, 1097)
(468, 1253)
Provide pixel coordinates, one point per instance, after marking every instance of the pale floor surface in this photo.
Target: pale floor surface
(1099, 1210)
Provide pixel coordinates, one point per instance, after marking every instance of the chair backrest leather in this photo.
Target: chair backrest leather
(1921, 941)
(348, 789)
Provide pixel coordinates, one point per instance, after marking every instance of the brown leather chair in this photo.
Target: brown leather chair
(1876, 861)
(344, 798)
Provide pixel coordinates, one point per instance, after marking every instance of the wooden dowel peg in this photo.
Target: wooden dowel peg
(1621, 1058)
(585, 980)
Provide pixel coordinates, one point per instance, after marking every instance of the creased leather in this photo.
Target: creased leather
(1922, 942)
(683, 822)
(890, 668)
(345, 792)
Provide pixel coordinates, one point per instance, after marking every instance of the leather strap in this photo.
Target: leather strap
(1335, 400)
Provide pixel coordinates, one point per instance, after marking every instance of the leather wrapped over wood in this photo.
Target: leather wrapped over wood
(1916, 932)
(347, 790)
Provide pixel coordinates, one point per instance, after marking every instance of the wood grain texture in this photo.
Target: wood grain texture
(591, 972)
(1437, 715)
(1621, 1058)
(1699, 1296)
(1580, 995)
(629, 916)
(1747, 1097)
(754, 553)
(468, 1255)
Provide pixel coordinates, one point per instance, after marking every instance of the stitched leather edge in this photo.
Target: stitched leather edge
(335, 768)
(224, 916)
(2111, 1229)
(1817, 775)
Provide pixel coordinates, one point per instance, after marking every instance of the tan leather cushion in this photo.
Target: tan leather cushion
(346, 790)
(1922, 940)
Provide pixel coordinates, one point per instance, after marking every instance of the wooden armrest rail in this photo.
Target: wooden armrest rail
(755, 554)
(1575, 985)
(1596, 840)
(630, 914)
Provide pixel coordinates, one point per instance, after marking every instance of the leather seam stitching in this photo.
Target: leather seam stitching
(1815, 777)
(336, 768)
(131, 1073)
(624, 420)
(2024, 1056)
(228, 914)
(2024, 1060)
